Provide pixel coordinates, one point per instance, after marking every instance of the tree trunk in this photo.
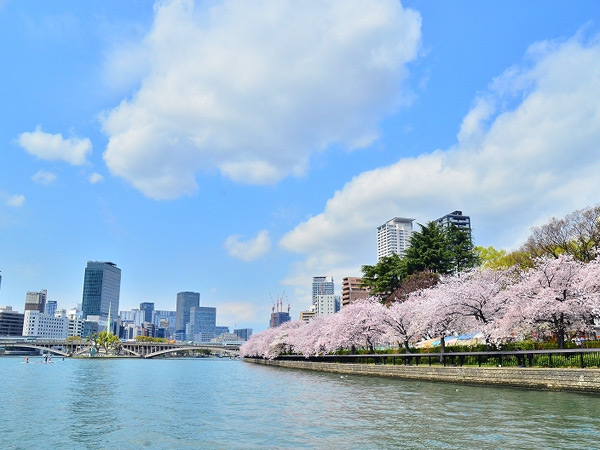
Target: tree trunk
(442, 348)
(560, 338)
(406, 347)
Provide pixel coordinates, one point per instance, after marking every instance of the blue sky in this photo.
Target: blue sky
(239, 148)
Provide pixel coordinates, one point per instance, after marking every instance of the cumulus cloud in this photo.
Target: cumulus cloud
(252, 89)
(54, 147)
(43, 177)
(95, 178)
(16, 200)
(251, 249)
(512, 167)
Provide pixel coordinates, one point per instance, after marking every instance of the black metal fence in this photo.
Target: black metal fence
(583, 358)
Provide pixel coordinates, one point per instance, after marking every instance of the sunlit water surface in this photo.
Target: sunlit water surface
(229, 404)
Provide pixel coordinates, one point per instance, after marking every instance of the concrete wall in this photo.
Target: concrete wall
(535, 378)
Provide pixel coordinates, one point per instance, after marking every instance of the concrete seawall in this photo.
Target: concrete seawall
(586, 380)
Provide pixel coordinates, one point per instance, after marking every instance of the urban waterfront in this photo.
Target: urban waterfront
(222, 403)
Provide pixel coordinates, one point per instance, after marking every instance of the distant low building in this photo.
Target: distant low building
(308, 315)
(11, 322)
(243, 333)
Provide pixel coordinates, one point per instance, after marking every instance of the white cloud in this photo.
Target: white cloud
(252, 89)
(95, 178)
(251, 249)
(241, 313)
(54, 147)
(44, 177)
(16, 200)
(511, 169)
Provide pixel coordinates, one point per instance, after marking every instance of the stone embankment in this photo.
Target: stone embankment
(586, 380)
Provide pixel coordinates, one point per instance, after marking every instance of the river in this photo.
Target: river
(229, 404)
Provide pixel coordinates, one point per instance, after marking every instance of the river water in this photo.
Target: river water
(229, 404)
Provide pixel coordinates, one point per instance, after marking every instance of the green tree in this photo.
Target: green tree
(384, 277)
(492, 258)
(429, 250)
(107, 341)
(462, 251)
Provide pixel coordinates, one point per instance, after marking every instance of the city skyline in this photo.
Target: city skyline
(240, 150)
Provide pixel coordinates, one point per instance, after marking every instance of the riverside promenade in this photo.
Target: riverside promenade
(544, 378)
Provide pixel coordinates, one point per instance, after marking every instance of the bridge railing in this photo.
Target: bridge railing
(583, 358)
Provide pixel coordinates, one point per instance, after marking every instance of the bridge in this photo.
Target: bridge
(133, 349)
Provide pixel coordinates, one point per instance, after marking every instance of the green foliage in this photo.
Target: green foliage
(433, 251)
(462, 252)
(429, 250)
(491, 258)
(150, 339)
(106, 340)
(385, 276)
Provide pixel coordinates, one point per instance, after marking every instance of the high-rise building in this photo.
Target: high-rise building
(101, 290)
(165, 319)
(148, 308)
(51, 306)
(321, 286)
(352, 290)
(185, 301)
(278, 315)
(393, 237)
(204, 320)
(456, 218)
(36, 301)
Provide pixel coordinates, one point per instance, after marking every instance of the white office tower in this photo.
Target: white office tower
(394, 236)
(327, 305)
(322, 286)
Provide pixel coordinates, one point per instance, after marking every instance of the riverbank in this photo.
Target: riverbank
(582, 380)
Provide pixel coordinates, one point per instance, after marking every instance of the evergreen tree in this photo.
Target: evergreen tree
(384, 277)
(429, 250)
(463, 253)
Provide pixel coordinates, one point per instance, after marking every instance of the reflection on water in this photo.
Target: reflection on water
(219, 403)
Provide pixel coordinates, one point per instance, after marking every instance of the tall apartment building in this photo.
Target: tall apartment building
(457, 218)
(101, 290)
(352, 291)
(394, 236)
(36, 301)
(322, 286)
(185, 301)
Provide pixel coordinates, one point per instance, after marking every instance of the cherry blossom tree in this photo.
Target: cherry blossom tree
(360, 324)
(400, 322)
(480, 298)
(559, 295)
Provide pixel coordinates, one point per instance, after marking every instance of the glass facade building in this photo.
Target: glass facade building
(101, 289)
(185, 301)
